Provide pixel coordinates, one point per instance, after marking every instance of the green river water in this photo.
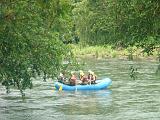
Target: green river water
(125, 99)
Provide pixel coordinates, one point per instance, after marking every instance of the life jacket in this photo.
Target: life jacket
(91, 77)
(73, 78)
(83, 78)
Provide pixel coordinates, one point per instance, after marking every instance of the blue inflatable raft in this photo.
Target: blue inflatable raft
(100, 84)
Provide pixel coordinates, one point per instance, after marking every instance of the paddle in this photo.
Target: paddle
(76, 85)
(60, 88)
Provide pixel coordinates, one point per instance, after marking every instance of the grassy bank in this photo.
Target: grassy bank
(99, 52)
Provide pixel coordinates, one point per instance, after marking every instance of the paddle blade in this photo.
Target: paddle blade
(60, 88)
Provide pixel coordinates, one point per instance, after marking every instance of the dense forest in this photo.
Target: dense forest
(133, 22)
(34, 34)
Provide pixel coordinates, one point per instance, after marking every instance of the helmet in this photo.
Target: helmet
(72, 72)
(92, 73)
(61, 75)
(89, 71)
(81, 72)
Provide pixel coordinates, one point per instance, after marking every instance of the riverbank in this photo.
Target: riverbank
(103, 52)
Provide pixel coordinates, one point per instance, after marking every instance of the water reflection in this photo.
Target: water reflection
(84, 102)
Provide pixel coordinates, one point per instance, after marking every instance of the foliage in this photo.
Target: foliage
(133, 72)
(119, 22)
(29, 41)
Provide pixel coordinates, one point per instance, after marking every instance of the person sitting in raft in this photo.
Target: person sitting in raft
(91, 77)
(82, 77)
(62, 78)
(72, 79)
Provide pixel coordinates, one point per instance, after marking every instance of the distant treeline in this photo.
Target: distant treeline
(118, 22)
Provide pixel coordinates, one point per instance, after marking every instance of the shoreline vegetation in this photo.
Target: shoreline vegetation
(107, 51)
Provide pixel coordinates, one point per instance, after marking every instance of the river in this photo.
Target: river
(125, 99)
